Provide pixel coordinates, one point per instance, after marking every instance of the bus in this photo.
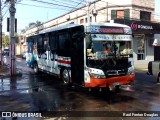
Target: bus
(95, 55)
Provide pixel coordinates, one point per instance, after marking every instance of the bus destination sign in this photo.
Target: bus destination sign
(107, 30)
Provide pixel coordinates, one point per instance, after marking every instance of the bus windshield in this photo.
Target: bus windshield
(100, 49)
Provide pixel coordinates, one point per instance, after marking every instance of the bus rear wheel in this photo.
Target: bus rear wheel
(66, 77)
(35, 67)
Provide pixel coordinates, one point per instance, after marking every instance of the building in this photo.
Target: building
(139, 14)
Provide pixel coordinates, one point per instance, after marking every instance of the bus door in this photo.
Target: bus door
(41, 44)
(53, 53)
(77, 59)
(46, 53)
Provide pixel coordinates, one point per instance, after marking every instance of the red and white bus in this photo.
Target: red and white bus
(98, 55)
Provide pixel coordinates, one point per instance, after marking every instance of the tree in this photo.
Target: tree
(5, 41)
(35, 24)
(32, 24)
(38, 23)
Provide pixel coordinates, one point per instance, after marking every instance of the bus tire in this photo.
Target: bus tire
(35, 68)
(65, 77)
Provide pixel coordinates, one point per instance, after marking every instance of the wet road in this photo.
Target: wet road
(43, 92)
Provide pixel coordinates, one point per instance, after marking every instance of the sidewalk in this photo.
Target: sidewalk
(141, 66)
(141, 69)
(4, 71)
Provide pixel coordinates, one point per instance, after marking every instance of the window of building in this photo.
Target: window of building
(144, 15)
(91, 19)
(86, 20)
(120, 14)
(81, 21)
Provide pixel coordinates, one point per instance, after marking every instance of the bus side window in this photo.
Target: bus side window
(39, 45)
(45, 44)
(63, 41)
(53, 42)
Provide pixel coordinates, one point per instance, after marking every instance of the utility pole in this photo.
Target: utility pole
(12, 11)
(107, 12)
(1, 33)
(88, 14)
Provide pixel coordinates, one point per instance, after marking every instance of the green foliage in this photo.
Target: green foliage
(16, 35)
(35, 24)
(5, 41)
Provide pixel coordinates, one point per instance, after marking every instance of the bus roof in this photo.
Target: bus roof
(59, 28)
(85, 25)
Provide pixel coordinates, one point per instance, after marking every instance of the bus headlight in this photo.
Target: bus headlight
(93, 75)
(87, 77)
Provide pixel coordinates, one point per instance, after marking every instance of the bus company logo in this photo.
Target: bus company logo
(134, 26)
(145, 27)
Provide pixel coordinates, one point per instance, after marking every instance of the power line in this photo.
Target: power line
(64, 2)
(6, 13)
(41, 6)
(76, 6)
(49, 3)
(5, 5)
(59, 5)
(77, 1)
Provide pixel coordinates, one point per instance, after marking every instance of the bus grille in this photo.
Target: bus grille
(110, 73)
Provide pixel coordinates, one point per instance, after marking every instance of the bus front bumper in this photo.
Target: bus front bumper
(110, 82)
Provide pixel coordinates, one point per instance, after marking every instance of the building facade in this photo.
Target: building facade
(139, 14)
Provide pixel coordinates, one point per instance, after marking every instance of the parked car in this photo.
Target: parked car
(6, 51)
(154, 70)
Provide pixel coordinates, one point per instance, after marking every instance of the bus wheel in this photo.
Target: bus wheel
(35, 67)
(65, 77)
